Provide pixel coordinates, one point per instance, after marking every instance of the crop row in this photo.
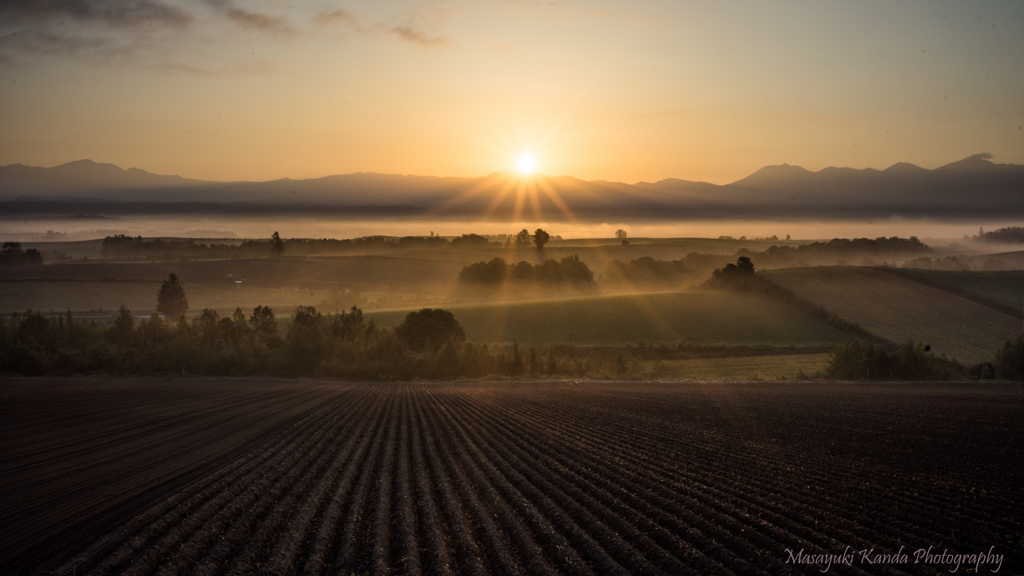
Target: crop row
(563, 478)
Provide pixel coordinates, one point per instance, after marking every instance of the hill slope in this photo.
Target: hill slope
(1000, 290)
(695, 317)
(901, 309)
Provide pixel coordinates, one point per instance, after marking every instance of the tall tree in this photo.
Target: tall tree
(12, 255)
(265, 326)
(171, 300)
(276, 244)
(121, 331)
(540, 238)
(523, 238)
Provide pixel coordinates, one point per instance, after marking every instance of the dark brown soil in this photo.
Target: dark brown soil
(304, 477)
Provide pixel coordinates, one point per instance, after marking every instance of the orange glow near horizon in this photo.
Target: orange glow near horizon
(630, 93)
(526, 192)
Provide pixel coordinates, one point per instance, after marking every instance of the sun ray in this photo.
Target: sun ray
(538, 212)
(481, 188)
(556, 199)
(517, 208)
(506, 188)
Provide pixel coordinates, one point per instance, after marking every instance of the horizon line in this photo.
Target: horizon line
(983, 156)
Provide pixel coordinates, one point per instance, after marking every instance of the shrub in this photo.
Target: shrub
(429, 328)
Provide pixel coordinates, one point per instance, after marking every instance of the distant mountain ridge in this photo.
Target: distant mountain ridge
(972, 186)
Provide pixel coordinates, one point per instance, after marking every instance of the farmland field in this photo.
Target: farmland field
(430, 274)
(901, 309)
(281, 283)
(103, 298)
(698, 317)
(1003, 287)
(359, 272)
(306, 477)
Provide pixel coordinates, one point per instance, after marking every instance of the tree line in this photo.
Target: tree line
(428, 344)
(11, 254)
(644, 270)
(858, 360)
(650, 271)
(569, 271)
(1008, 235)
(124, 246)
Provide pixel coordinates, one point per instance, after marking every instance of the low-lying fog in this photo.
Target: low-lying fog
(935, 232)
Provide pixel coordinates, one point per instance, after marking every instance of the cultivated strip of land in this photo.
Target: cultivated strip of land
(695, 317)
(570, 477)
(901, 309)
(1000, 291)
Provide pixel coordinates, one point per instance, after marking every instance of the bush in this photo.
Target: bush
(855, 360)
(470, 241)
(1009, 361)
(12, 255)
(171, 300)
(429, 329)
(569, 271)
(645, 270)
(487, 273)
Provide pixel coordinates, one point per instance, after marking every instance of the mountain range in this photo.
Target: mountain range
(974, 186)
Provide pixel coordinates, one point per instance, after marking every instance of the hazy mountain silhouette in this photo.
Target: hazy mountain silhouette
(905, 169)
(973, 186)
(75, 179)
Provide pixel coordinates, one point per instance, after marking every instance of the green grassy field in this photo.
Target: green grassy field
(901, 309)
(696, 317)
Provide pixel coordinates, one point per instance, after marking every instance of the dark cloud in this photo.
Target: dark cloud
(247, 69)
(47, 44)
(337, 17)
(410, 34)
(406, 32)
(983, 156)
(109, 12)
(254, 20)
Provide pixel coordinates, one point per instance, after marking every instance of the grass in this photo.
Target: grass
(140, 297)
(742, 368)
(695, 317)
(281, 283)
(1004, 287)
(900, 309)
(365, 273)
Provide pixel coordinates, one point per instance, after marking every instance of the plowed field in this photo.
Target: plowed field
(304, 477)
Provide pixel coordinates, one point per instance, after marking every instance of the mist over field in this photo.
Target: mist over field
(75, 228)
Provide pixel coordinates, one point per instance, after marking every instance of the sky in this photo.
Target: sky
(622, 91)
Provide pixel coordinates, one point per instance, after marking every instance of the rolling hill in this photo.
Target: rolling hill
(694, 317)
(902, 309)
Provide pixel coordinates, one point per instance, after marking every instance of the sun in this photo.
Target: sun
(527, 164)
